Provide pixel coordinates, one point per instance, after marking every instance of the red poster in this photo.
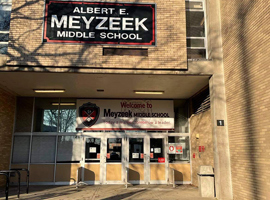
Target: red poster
(203, 148)
(108, 155)
(151, 155)
(179, 149)
(98, 155)
(194, 155)
(141, 155)
(161, 160)
(200, 148)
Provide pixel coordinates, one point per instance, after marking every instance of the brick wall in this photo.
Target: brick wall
(246, 46)
(201, 124)
(26, 47)
(7, 111)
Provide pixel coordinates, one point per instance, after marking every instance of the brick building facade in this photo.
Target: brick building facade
(212, 44)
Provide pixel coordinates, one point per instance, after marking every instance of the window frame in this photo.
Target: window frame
(205, 27)
(7, 2)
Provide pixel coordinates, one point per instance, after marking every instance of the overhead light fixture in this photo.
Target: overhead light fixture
(49, 90)
(63, 104)
(149, 92)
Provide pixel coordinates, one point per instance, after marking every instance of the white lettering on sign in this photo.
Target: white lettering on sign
(63, 21)
(87, 22)
(122, 11)
(72, 21)
(127, 22)
(140, 23)
(114, 23)
(104, 19)
(96, 10)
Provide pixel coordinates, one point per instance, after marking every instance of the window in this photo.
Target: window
(69, 149)
(136, 151)
(195, 25)
(114, 150)
(5, 11)
(20, 152)
(178, 148)
(55, 115)
(67, 115)
(92, 149)
(156, 149)
(46, 114)
(43, 149)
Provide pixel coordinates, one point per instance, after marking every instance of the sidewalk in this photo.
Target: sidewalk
(107, 192)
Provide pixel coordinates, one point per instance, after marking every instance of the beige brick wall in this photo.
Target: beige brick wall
(7, 112)
(201, 124)
(246, 46)
(26, 47)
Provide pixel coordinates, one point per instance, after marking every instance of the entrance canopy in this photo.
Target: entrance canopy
(92, 85)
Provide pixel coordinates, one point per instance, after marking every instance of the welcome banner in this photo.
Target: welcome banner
(95, 114)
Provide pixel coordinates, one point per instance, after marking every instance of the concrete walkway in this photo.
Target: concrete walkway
(107, 192)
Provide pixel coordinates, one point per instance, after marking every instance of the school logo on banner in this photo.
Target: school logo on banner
(89, 113)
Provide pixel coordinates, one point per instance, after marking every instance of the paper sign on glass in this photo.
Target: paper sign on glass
(157, 150)
(135, 155)
(93, 149)
(151, 155)
(171, 148)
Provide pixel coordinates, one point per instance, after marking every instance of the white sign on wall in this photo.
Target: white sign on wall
(172, 148)
(99, 114)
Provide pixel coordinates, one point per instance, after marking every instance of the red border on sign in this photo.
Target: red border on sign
(93, 42)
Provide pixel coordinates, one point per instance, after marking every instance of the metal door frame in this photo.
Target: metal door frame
(163, 136)
(144, 163)
(123, 156)
(101, 163)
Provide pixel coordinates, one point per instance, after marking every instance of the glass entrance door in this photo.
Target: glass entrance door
(106, 158)
(114, 171)
(157, 162)
(92, 164)
(136, 159)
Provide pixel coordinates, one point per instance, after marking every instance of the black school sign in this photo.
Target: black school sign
(99, 23)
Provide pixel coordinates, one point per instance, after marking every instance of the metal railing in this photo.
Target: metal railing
(8, 173)
(126, 181)
(173, 176)
(27, 177)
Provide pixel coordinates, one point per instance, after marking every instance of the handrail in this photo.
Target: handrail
(126, 177)
(7, 183)
(7, 173)
(27, 177)
(173, 177)
(77, 177)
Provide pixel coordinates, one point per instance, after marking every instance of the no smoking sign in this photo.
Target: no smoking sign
(171, 148)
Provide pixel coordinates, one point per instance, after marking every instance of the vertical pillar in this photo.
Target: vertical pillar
(222, 166)
(223, 181)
